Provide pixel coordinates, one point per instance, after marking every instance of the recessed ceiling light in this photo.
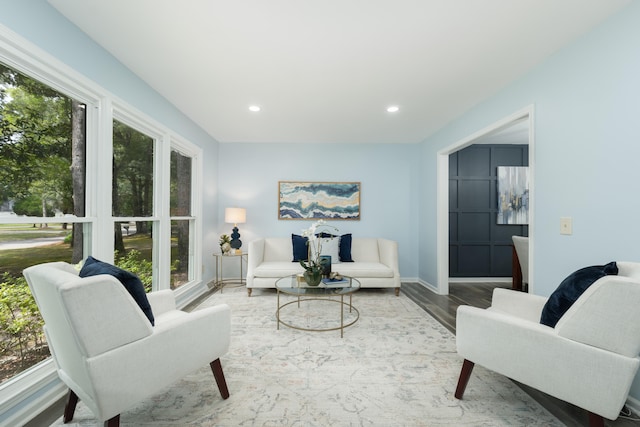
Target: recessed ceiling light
(254, 108)
(393, 108)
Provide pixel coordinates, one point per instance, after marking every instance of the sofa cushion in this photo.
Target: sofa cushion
(571, 289)
(300, 248)
(364, 269)
(277, 269)
(365, 250)
(94, 267)
(277, 249)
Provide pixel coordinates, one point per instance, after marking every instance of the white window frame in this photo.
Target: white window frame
(195, 229)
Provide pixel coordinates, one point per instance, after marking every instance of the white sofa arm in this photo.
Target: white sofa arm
(256, 254)
(255, 257)
(389, 254)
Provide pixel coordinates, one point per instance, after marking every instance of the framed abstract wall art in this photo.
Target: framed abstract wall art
(318, 200)
(513, 195)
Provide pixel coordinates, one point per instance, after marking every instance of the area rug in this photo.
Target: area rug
(395, 366)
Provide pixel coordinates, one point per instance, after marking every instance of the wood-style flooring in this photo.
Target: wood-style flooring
(443, 308)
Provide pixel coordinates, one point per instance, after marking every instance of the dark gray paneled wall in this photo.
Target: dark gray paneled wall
(478, 247)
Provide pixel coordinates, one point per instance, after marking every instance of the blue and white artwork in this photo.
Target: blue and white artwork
(316, 200)
(513, 195)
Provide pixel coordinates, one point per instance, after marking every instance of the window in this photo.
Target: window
(132, 194)
(181, 219)
(75, 170)
(42, 203)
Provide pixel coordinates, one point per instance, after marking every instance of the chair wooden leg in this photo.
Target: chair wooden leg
(113, 422)
(70, 406)
(595, 420)
(465, 373)
(216, 367)
(516, 271)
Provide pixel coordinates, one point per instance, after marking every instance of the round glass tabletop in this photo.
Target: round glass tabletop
(295, 285)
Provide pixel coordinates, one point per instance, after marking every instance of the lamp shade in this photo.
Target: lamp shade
(235, 215)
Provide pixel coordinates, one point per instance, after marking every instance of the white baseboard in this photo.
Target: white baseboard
(429, 286)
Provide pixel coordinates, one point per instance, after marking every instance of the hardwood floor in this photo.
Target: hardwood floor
(443, 308)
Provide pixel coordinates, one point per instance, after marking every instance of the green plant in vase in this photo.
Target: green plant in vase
(313, 265)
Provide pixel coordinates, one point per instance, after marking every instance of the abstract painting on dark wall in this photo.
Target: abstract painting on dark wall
(318, 200)
(513, 195)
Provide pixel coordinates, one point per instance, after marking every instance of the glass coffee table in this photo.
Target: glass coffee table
(296, 286)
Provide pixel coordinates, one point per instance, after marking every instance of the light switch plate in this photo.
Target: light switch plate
(566, 225)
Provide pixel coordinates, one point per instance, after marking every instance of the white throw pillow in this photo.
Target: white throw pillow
(331, 247)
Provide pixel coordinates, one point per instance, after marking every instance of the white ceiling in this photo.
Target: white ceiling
(325, 71)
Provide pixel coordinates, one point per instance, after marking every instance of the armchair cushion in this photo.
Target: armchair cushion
(93, 267)
(571, 289)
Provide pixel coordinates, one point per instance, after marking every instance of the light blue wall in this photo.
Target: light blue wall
(42, 25)
(587, 146)
(250, 173)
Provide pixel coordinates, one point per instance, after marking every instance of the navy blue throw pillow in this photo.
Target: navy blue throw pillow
(571, 289)
(300, 249)
(131, 282)
(345, 248)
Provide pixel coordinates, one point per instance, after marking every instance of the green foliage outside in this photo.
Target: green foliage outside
(22, 338)
(35, 130)
(133, 262)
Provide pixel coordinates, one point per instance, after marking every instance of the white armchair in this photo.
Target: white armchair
(589, 359)
(104, 347)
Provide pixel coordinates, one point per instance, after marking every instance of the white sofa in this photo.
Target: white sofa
(375, 263)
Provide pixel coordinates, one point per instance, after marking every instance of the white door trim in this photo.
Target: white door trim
(442, 194)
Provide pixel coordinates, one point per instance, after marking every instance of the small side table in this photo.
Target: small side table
(220, 280)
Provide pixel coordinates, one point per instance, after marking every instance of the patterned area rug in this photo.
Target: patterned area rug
(396, 366)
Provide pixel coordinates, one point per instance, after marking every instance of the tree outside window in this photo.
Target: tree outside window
(42, 175)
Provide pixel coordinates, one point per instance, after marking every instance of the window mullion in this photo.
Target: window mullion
(100, 184)
(162, 205)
